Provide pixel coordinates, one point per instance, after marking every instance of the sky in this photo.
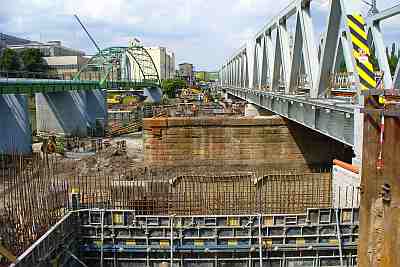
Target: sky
(202, 32)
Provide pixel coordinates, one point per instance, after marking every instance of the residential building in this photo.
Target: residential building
(164, 61)
(186, 72)
(206, 76)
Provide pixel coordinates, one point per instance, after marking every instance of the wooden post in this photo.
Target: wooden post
(379, 242)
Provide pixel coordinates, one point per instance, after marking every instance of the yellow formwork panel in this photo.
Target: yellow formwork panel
(232, 243)
(268, 221)
(334, 242)
(118, 218)
(130, 243)
(300, 241)
(267, 242)
(199, 243)
(233, 221)
(164, 243)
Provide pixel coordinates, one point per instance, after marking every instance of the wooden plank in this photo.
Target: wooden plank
(379, 242)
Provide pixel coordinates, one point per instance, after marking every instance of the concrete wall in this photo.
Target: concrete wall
(62, 112)
(268, 141)
(73, 113)
(66, 60)
(97, 109)
(345, 188)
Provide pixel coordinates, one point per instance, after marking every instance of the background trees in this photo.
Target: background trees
(10, 60)
(33, 61)
(171, 86)
(30, 60)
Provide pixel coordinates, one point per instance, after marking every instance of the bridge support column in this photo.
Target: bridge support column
(96, 108)
(154, 94)
(62, 113)
(15, 129)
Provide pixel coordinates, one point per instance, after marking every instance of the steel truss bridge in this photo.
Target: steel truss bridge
(302, 81)
(118, 68)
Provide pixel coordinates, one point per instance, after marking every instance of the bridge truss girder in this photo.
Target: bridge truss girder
(275, 67)
(304, 73)
(132, 63)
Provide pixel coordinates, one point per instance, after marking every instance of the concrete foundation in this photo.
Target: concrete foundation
(153, 94)
(15, 129)
(96, 108)
(62, 113)
(270, 141)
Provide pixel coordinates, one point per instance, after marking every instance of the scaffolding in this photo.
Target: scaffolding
(99, 237)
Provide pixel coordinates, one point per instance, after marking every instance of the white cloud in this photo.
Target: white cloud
(204, 32)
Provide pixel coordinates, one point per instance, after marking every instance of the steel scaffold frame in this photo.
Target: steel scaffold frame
(122, 237)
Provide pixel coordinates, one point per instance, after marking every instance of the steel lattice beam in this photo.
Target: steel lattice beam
(304, 76)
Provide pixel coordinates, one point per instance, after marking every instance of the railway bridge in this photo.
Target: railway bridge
(299, 77)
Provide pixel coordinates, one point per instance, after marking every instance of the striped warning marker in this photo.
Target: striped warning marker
(361, 51)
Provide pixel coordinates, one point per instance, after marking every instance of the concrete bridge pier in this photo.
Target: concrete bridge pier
(154, 94)
(15, 129)
(96, 108)
(62, 113)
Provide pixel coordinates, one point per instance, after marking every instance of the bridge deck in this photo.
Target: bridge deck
(332, 117)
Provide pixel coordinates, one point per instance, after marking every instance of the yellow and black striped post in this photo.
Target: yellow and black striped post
(361, 51)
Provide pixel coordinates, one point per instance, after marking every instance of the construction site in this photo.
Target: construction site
(192, 188)
(285, 161)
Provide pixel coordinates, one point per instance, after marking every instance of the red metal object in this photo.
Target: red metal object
(346, 166)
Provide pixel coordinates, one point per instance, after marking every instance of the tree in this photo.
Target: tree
(393, 59)
(33, 61)
(9, 60)
(171, 86)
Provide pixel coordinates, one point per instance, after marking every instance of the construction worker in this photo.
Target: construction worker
(194, 110)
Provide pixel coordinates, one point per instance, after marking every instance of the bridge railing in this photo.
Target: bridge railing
(30, 75)
(21, 82)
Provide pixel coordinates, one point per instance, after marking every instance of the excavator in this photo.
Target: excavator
(49, 145)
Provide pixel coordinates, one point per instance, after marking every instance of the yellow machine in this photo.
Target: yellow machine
(116, 99)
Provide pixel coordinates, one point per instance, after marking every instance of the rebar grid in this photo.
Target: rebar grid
(35, 193)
